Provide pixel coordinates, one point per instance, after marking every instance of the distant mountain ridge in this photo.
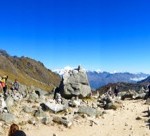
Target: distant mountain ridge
(145, 81)
(98, 79)
(28, 71)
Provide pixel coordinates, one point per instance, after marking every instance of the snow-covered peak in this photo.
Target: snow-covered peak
(113, 72)
(97, 71)
(63, 70)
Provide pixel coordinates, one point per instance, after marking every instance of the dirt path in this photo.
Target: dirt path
(114, 123)
(121, 122)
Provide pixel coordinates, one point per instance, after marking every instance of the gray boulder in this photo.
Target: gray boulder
(23, 90)
(75, 83)
(53, 107)
(46, 120)
(27, 109)
(62, 120)
(40, 113)
(33, 97)
(148, 101)
(89, 111)
(10, 103)
(7, 117)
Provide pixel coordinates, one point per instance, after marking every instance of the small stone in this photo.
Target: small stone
(138, 118)
(126, 124)
(131, 128)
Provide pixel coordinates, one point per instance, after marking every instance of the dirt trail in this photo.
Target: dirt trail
(121, 122)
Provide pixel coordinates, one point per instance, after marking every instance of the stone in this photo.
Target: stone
(89, 111)
(39, 113)
(55, 107)
(61, 120)
(148, 101)
(46, 120)
(7, 117)
(75, 83)
(33, 97)
(27, 109)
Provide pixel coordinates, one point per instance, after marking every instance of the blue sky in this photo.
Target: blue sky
(97, 34)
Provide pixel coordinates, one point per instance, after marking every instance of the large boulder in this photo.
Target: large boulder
(75, 83)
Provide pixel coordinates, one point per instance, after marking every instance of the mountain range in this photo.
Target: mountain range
(98, 79)
(33, 73)
(27, 71)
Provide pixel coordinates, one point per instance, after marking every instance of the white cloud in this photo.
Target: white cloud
(138, 79)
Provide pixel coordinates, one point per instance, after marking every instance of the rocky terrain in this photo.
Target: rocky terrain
(145, 81)
(38, 113)
(129, 120)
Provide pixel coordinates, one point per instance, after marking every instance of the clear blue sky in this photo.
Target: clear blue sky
(98, 34)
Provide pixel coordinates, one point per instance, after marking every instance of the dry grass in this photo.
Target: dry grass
(26, 80)
(28, 71)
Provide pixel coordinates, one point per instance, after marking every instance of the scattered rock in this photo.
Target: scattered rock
(138, 118)
(54, 107)
(89, 111)
(61, 120)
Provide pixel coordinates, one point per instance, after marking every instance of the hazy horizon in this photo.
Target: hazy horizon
(106, 35)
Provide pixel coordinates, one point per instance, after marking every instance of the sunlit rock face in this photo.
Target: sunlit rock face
(75, 83)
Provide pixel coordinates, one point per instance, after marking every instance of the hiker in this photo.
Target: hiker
(148, 90)
(15, 86)
(109, 92)
(56, 90)
(1, 85)
(4, 85)
(116, 91)
(14, 131)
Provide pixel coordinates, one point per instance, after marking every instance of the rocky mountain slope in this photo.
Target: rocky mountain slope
(145, 81)
(28, 71)
(122, 87)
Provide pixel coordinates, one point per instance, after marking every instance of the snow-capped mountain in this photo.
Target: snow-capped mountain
(62, 71)
(100, 78)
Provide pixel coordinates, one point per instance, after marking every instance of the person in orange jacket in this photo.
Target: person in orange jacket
(4, 85)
